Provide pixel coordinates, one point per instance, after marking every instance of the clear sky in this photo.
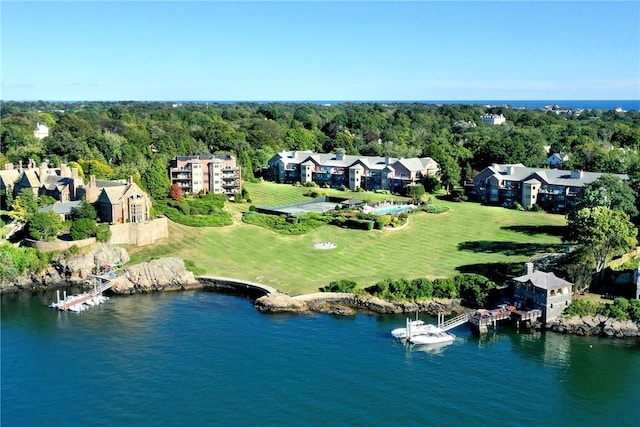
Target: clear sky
(326, 50)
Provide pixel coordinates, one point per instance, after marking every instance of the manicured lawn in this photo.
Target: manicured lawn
(468, 238)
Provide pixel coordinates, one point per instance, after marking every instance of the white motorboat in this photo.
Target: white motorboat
(417, 327)
(431, 338)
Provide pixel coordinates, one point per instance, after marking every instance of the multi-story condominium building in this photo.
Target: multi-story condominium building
(338, 169)
(206, 173)
(553, 189)
(493, 119)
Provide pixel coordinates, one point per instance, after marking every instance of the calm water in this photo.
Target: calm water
(199, 358)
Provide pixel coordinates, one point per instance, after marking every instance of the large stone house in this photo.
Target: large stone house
(117, 201)
(60, 183)
(337, 169)
(206, 173)
(553, 189)
(542, 291)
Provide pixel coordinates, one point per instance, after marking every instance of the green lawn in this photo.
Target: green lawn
(469, 238)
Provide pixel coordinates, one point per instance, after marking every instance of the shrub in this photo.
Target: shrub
(380, 225)
(83, 228)
(435, 209)
(344, 285)
(581, 308)
(44, 226)
(103, 233)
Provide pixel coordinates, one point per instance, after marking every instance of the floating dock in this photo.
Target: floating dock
(81, 301)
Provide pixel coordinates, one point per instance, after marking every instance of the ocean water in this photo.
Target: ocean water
(204, 358)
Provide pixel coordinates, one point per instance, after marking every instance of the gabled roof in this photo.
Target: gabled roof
(9, 177)
(347, 161)
(31, 177)
(53, 182)
(519, 172)
(112, 195)
(543, 280)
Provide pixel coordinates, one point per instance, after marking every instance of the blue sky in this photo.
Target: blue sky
(327, 50)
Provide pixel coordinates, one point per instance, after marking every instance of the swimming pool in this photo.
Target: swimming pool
(392, 210)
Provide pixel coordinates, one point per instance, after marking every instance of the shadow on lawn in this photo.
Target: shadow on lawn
(532, 230)
(508, 248)
(499, 272)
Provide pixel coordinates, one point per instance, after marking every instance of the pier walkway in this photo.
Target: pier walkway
(482, 320)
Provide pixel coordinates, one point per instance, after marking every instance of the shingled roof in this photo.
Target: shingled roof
(543, 280)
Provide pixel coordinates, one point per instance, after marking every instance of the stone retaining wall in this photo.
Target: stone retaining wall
(139, 233)
(58, 245)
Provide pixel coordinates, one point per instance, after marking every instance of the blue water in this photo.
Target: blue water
(200, 358)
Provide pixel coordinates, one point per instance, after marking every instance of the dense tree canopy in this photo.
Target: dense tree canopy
(119, 139)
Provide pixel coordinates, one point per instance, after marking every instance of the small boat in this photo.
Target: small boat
(432, 338)
(416, 327)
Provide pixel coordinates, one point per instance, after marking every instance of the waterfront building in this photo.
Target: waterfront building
(543, 291)
(206, 173)
(553, 189)
(354, 172)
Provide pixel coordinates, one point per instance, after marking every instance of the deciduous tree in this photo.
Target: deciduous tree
(602, 232)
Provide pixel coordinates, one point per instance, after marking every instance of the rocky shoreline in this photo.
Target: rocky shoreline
(170, 274)
(594, 326)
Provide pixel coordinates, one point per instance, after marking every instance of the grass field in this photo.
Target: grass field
(469, 238)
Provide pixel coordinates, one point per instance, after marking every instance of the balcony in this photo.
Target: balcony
(228, 184)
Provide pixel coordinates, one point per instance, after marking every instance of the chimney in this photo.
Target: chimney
(32, 164)
(92, 181)
(576, 174)
(74, 173)
(64, 170)
(528, 268)
(20, 166)
(8, 166)
(130, 180)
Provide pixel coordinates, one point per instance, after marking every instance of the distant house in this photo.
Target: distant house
(354, 172)
(41, 131)
(493, 119)
(557, 159)
(542, 291)
(207, 173)
(553, 189)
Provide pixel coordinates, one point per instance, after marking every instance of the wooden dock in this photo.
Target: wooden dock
(482, 320)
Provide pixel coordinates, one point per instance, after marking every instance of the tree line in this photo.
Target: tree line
(120, 139)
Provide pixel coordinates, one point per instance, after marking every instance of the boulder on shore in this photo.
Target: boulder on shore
(164, 274)
(280, 303)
